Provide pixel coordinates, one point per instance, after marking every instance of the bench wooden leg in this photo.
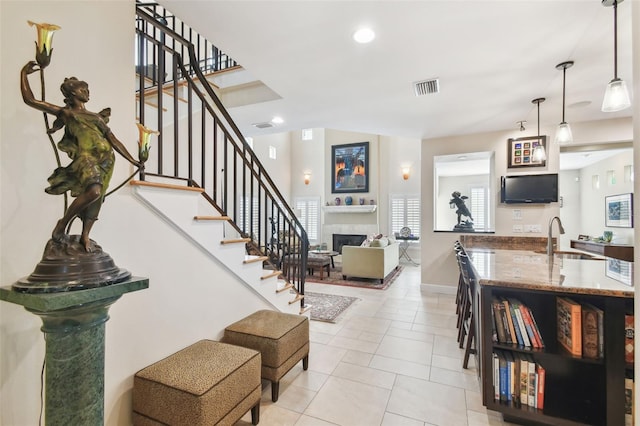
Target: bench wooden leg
(255, 414)
(305, 362)
(275, 390)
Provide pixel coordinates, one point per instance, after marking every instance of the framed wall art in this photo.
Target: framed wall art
(350, 168)
(521, 151)
(619, 211)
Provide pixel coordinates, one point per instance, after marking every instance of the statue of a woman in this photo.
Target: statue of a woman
(89, 144)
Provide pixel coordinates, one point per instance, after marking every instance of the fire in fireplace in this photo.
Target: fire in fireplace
(340, 240)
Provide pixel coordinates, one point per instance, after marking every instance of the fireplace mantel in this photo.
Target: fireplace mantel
(350, 209)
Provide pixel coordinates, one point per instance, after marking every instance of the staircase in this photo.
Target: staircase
(201, 176)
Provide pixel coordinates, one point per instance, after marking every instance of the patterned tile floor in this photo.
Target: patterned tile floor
(392, 360)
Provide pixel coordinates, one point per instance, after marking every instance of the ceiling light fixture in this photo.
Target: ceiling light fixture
(364, 35)
(616, 97)
(563, 134)
(277, 120)
(539, 153)
(521, 123)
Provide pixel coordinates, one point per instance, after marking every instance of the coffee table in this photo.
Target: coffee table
(329, 253)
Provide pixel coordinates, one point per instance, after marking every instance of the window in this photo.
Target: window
(405, 211)
(249, 223)
(308, 211)
(478, 203)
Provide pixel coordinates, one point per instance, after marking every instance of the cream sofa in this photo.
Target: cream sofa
(369, 262)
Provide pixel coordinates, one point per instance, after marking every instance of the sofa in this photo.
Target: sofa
(375, 261)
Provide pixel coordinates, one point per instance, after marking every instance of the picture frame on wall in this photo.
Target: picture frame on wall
(350, 168)
(619, 211)
(520, 151)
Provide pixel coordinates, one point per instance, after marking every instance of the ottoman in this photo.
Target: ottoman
(206, 383)
(282, 339)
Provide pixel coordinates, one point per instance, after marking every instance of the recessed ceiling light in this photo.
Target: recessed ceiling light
(364, 35)
(277, 120)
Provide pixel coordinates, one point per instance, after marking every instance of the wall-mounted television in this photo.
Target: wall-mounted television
(530, 189)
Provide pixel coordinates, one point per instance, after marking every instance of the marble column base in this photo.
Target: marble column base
(74, 327)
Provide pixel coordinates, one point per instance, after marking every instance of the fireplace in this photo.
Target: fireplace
(340, 240)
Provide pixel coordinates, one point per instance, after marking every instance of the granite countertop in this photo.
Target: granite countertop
(532, 270)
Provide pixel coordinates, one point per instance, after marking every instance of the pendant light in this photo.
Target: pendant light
(563, 134)
(539, 153)
(616, 97)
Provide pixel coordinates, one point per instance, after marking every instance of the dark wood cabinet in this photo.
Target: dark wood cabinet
(578, 390)
(617, 251)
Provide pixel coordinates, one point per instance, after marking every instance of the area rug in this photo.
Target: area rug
(335, 278)
(327, 307)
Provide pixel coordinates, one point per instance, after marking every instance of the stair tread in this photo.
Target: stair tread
(165, 185)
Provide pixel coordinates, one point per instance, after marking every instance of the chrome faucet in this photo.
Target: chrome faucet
(550, 238)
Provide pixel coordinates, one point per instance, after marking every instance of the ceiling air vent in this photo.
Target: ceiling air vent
(264, 125)
(426, 87)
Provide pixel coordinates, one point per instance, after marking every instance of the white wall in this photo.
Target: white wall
(190, 297)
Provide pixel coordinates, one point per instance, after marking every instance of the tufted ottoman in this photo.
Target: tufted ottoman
(314, 262)
(206, 383)
(282, 339)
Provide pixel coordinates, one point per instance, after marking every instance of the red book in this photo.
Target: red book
(629, 333)
(540, 373)
(530, 326)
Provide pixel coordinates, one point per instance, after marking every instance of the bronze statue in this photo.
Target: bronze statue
(457, 201)
(89, 143)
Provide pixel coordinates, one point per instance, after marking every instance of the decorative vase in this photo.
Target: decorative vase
(361, 201)
(348, 200)
(372, 202)
(338, 201)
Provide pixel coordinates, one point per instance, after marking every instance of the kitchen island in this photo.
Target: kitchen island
(578, 390)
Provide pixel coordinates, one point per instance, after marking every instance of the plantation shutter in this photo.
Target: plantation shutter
(405, 211)
(478, 206)
(308, 210)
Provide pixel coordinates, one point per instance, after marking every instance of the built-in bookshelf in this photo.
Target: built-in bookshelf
(569, 387)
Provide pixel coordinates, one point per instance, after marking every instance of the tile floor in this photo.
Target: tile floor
(391, 359)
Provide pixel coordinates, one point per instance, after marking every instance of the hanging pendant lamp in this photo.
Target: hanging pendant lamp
(563, 134)
(616, 97)
(539, 154)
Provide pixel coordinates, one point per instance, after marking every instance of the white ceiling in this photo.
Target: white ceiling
(491, 57)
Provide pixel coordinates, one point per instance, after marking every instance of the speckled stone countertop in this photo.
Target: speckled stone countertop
(532, 270)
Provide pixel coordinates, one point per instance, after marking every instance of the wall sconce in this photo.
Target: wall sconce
(307, 178)
(406, 171)
(616, 97)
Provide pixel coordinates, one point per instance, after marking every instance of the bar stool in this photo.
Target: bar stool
(468, 326)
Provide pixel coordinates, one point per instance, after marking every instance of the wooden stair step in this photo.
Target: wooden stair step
(305, 309)
(284, 288)
(235, 240)
(298, 298)
(272, 274)
(255, 259)
(165, 186)
(214, 218)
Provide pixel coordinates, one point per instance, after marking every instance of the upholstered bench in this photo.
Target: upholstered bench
(282, 339)
(206, 383)
(314, 262)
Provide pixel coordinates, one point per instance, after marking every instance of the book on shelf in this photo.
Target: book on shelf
(531, 387)
(528, 323)
(512, 330)
(497, 307)
(524, 380)
(569, 323)
(503, 377)
(592, 322)
(523, 331)
(629, 406)
(629, 337)
(540, 379)
(509, 357)
(496, 377)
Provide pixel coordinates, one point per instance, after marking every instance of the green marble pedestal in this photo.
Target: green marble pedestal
(74, 326)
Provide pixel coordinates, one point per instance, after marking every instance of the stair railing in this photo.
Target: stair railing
(200, 145)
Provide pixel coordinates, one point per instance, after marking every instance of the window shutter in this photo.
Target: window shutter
(405, 211)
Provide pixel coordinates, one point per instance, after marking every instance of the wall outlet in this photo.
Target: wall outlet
(517, 229)
(517, 214)
(532, 229)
